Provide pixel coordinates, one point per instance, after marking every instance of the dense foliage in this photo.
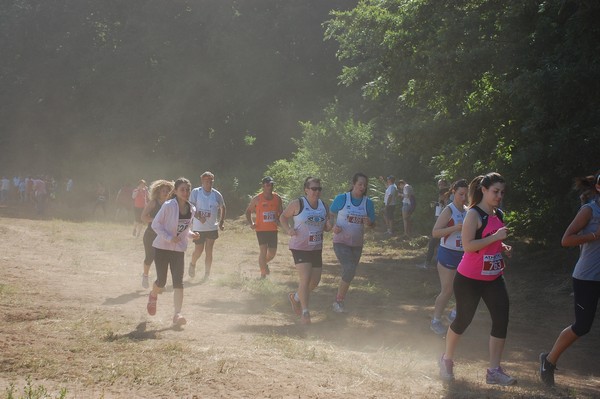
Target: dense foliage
(467, 87)
(117, 90)
(416, 88)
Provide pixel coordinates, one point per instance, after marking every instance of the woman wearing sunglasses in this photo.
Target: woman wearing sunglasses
(311, 219)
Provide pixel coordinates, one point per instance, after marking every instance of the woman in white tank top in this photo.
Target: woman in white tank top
(311, 219)
(448, 228)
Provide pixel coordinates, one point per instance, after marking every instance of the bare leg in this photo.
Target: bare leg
(209, 245)
(343, 289)
(271, 252)
(262, 259)
(452, 339)
(178, 299)
(446, 281)
(496, 349)
(198, 249)
(564, 340)
(304, 274)
(315, 277)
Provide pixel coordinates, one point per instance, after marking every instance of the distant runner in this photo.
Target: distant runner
(267, 207)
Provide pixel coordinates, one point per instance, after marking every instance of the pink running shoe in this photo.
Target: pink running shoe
(296, 307)
(151, 307)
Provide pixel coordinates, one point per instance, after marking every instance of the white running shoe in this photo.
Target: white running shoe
(338, 307)
(437, 327)
(179, 320)
(498, 376)
(446, 369)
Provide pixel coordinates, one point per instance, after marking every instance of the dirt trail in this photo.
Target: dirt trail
(73, 316)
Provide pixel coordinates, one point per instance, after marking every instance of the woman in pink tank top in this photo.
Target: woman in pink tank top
(480, 275)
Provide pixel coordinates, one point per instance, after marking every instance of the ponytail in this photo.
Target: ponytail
(475, 187)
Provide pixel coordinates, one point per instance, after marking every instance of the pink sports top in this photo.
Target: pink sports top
(486, 264)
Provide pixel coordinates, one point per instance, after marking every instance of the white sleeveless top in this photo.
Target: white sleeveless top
(309, 225)
(453, 240)
(351, 219)
(206, 206)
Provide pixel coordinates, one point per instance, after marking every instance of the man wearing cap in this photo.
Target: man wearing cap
(268, 207)
(389, 201)
(208, 219)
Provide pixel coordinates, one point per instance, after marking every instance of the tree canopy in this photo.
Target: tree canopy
(468, 87)
(416, 88)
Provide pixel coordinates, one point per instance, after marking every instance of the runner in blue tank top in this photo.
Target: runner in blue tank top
(583, 231)
(349, 213)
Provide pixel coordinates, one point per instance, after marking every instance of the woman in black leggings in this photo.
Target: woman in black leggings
(480, 275)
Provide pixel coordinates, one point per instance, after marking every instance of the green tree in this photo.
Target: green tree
(333, 150)
(475, 86)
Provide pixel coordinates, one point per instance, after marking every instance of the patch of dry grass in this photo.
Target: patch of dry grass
(73, 317)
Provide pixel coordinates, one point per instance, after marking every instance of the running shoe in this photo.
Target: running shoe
(296, 307)
(179, 320)
(452, 315)
(145, 282)
(305, 319)
(151, 307)
(192, 270)
(437, 327)
(265, 272)
(498, 376)
(446, 369)
(338, 307)
(546, 370)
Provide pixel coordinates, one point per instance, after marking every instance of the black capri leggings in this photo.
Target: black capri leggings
(586, 295)
(165, 258)
(468, 292)
(149, 236)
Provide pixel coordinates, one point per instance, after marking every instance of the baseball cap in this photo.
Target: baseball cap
(268, 180)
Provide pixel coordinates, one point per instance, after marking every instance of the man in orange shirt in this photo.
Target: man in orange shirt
(268, 207)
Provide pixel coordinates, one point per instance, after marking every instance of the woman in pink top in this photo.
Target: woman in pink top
(140, 199)
(479, 275)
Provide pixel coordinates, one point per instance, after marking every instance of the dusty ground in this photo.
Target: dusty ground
(73, 316)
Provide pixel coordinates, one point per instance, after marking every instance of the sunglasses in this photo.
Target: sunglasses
(316, 188)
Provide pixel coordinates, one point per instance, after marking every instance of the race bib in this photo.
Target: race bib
(315, 237)
(203, 214)
(182, 225)
(355, 219)
(492, 265)
(269, 217)
(458, 242)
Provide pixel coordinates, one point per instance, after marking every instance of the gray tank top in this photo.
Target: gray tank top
(588, 264)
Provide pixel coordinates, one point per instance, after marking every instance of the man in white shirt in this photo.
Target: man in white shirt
(408, 205)
(208, 220)
(389, 201)
(4, 190)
